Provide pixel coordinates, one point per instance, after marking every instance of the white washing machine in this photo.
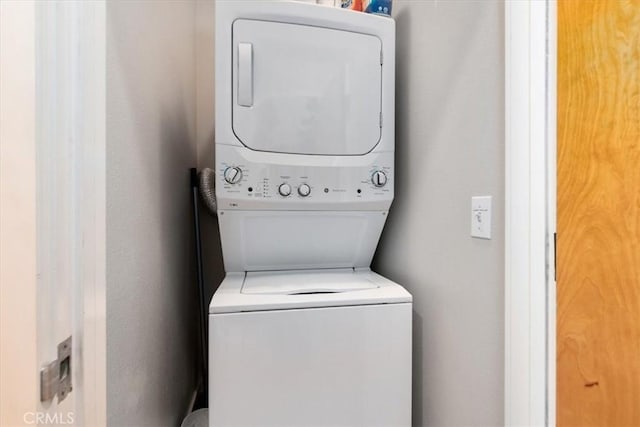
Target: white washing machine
(301, 331)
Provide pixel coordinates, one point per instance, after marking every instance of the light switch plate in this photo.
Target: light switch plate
(481, 217)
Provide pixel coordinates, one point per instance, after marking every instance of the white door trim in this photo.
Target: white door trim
(90, 36)
(530, 61)
(70, 73)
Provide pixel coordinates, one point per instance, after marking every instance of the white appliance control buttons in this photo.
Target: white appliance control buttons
(379, 178)
(304, 190)
(233, 175)
(284, 190)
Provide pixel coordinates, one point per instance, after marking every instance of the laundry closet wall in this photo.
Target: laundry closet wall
(151, 295)
(205, 129)
(449, 147)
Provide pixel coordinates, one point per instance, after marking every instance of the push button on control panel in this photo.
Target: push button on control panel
(304, 190)
(379, 178)
(284, 190)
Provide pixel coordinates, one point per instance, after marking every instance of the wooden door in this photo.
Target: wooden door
(598, 245)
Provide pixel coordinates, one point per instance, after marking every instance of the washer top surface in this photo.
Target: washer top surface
(281, 290)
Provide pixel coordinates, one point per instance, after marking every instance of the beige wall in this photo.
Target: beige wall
(450, 146)
(151, 143)
(18, 353)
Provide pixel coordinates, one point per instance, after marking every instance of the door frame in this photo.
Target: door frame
(53, 66)
(70, 82)
(530, 211)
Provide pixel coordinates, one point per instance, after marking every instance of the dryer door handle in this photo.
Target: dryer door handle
(245, 74)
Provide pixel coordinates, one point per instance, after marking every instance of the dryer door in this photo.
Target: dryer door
(305, 90)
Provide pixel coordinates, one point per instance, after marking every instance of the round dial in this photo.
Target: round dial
(233, 175)
(379, 178)
(284, 190)
(304, 190)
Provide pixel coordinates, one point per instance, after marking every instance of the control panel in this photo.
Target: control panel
(304, 182)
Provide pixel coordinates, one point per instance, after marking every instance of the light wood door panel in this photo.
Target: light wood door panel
(598, 245)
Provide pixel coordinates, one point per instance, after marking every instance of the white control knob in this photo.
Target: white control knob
(304, 190)
(379, 178)
(233, 175)
(284, 190)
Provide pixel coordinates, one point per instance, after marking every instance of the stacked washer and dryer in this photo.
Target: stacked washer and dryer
(301, 331)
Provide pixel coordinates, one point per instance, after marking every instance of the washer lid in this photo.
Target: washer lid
(282, 290)
(305, 283)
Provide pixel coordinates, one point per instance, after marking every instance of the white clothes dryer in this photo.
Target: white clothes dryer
(301, 331)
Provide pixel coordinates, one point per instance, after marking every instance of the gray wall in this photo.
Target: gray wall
(205, 125)
(151, 305)
(450, 146)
